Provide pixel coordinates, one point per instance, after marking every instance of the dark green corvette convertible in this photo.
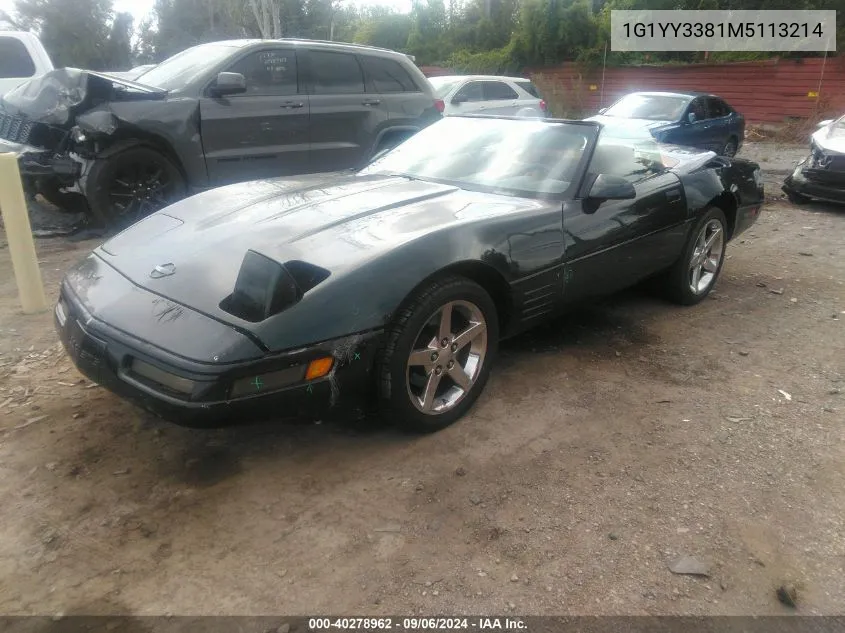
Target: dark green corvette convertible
(393, 285)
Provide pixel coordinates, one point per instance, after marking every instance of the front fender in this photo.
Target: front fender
(172, 126)
(365, 296)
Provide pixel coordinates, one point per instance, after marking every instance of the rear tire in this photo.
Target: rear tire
(432, 370)
(730, 147)
(132, 184)
(695, 273)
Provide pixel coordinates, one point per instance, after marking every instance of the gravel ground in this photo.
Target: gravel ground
(607, 445)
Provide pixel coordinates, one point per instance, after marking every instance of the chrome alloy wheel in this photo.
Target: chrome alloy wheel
(447, 357)
(706, 257)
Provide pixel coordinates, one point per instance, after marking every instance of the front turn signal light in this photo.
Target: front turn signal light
(319, 367)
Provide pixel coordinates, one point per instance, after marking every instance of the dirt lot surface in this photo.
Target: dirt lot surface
(606, 446)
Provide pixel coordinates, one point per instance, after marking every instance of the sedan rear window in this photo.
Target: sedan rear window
(15, 61)
(650, 107)
(530, 88)
(441, 86)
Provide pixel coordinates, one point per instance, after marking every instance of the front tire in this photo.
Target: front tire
(72, 202)
(695, 273)
(132, 184)
(438, 355)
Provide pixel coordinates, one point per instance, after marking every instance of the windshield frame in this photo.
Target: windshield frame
(201, 76)
(570, 193)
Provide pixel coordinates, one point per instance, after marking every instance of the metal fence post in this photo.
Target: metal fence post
(19, 236)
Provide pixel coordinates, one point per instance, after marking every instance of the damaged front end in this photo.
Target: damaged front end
(48, 123)
(822, 174)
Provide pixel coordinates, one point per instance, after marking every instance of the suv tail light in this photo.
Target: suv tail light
(542, 105)
(440, 105)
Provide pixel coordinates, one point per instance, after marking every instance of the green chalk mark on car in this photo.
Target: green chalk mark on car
(258, 383)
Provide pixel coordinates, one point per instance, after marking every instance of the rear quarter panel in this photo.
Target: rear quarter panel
(730, 184)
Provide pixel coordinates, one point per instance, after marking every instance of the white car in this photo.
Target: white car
(22, 57)
(488, 94)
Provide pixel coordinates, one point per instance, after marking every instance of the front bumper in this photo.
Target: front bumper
(36, 162)
(814, 182)
(109, 356)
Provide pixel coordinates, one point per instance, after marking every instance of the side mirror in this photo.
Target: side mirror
(691, 117)
(229, 84)
(458, 99)
(602, 110)
(607, 187)
(824, 123)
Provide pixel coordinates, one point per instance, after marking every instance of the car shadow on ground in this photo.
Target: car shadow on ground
(600, 328)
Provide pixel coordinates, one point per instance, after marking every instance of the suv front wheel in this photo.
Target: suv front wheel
(132, 184)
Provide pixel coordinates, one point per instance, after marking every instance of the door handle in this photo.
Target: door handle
(371, 102)
(293, 104)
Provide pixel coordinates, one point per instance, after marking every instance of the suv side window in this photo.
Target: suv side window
(471, 91)
(387, 75)
(335, 73)
(498, 91)
(15, 61)
(269, 72)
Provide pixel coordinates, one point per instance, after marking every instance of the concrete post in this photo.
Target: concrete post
(19, 236)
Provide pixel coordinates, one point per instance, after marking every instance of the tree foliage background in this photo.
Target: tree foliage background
(465, 35)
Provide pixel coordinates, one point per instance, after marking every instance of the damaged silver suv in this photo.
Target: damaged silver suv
(211, 115)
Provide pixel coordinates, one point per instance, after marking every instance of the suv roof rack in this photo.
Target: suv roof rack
(336, 43)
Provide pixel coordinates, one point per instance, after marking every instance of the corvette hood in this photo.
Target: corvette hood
(201, 241)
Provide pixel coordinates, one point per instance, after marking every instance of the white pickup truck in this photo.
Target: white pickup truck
(22, 56)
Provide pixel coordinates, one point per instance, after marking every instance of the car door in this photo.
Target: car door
(345, 118)
(468, 99)
(720, 124)
(612, 244)
(262, 132)
(402, 97)
(499, 98)
(694, 130)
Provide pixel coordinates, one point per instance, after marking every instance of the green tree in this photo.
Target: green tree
(385, 28)
(426, 38)
(74, 32)
(181, 24)
(119, 44)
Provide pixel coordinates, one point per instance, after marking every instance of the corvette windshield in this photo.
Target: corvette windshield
(519, 156)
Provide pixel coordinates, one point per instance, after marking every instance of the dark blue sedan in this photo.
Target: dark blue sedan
(694, 119)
